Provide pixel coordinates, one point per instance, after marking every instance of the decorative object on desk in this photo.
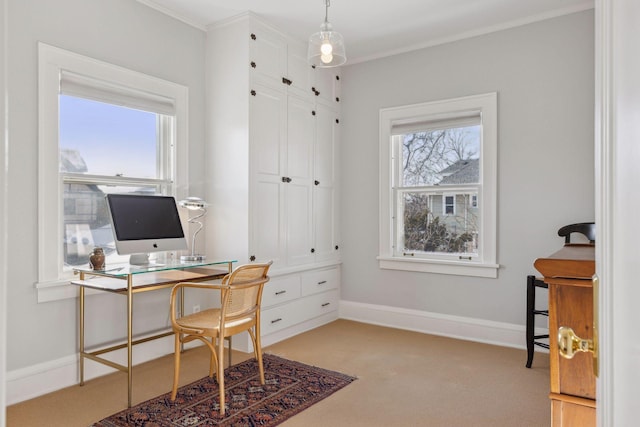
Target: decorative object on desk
(96, 259)
(291, 387)
(326, 47)
(194, 204)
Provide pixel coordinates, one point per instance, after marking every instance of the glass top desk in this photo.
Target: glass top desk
(125, 279)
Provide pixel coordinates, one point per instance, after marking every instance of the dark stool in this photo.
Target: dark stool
(532, 284)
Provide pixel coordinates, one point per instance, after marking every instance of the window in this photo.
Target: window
(449, 205)
(103, 129)
(438, 186)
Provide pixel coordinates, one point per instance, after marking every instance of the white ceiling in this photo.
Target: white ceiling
(376, 28)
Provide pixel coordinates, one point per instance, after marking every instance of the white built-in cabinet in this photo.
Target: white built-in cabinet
(272, 178)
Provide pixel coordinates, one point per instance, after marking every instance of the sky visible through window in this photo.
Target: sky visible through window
(112, 140)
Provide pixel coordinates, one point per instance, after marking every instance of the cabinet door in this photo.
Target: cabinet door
(268, 55)
(324, 191)
(300, 130)
(299, 72)
(326, 84)
(268, 160)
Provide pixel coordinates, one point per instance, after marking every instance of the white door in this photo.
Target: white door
(268, 166)
(300, 130)
(618, 208)
(324, 189)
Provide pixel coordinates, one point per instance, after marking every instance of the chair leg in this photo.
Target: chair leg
(176, 367)
(257, 350)
(531, 304)
(212, 361)
(220, 374)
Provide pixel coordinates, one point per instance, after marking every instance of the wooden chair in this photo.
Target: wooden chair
(587, 229)
(240, 298)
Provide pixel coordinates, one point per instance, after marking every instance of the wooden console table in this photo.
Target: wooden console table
(569, 274)
(128, 280)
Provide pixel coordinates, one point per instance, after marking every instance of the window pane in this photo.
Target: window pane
(426, 230)
(438, 157)
(86, 221)
(105, 139)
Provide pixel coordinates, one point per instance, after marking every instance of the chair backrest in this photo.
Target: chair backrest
(588, 229)
(244, 295)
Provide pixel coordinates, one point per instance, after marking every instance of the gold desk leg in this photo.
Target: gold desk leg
(181, 314)
(81, 329)
(129, 335)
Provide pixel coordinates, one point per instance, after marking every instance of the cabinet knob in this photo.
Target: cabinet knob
(337, 121)
(337, 247)
(313, 251)
(316, 182)
(313, 113)
(253, 64)
(252, 258)
(253, 92)
(286, 179)
(286, 81)
(337, 99)
(253, 36)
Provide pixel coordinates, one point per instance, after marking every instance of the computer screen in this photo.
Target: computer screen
(145, 223)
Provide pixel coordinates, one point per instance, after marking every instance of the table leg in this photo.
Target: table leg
(81, 330)
(129, 335)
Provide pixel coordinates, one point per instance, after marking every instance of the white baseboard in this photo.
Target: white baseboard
(33, 381)
(37, 380)
(464, 328)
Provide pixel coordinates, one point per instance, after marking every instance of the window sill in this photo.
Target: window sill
(440, 267)
(56, 290)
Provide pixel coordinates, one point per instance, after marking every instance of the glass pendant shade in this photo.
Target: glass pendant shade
(326, 47)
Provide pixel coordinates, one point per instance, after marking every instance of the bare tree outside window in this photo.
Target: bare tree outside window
(439, 184)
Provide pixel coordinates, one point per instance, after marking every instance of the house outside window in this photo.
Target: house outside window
(102, 129)
(437, 161)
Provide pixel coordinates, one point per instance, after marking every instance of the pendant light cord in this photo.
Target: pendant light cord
(326, 11)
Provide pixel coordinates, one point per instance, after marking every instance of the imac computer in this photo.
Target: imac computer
(145, 223)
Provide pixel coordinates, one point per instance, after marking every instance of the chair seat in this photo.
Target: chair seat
(208, 321)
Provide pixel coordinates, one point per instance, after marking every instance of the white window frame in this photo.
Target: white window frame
(53, 280)
(485, 264)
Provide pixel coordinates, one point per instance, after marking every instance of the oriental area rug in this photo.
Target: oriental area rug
(290, 387)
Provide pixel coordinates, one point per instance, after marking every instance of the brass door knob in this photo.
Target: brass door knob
(569, 343)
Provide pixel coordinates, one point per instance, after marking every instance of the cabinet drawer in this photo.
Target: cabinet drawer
(320, 281)
(280, 317)
(319, 304)
(281, 289)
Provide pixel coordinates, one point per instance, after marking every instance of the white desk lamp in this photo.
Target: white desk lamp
(194, 204)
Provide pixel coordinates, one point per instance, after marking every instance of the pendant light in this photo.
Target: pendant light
(326, 47)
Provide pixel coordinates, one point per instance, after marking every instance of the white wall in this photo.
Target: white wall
(3, 225)
(121, 32)
(543, 73)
